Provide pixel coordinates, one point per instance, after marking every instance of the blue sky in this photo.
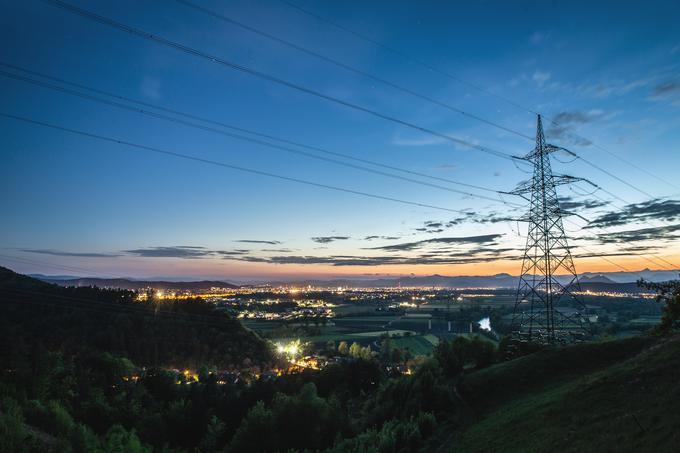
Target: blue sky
(608, 73)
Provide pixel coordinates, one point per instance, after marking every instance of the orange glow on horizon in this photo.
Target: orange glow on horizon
(241, 271)
(236, 270)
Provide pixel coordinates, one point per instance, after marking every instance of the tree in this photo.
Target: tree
(298, 422)
(449, 357)
(249, 436)
(668, 293)
(482, 352)
(355, 350)
(118, 440)
(12, 431)
(343, 348)
(386, 349)
(213, 435)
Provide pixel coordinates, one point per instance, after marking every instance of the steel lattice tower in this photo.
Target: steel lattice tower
(536, 315)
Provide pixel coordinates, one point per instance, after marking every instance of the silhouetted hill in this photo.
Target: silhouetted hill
(628, 288)
(188, 332)
(11, 280)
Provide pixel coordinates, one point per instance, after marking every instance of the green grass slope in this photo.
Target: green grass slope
(615, 396)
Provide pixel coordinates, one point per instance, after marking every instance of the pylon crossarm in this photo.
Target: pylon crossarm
(568, 179)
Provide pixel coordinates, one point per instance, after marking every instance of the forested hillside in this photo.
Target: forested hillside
(178, 333)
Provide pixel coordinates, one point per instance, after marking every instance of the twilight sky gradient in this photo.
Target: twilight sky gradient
(79, 206)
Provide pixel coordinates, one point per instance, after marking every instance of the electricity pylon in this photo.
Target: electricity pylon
(546, 309)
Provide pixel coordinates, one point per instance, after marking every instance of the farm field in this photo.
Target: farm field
(353, 336)
(416, 344)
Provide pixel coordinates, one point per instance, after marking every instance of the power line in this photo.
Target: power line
(271, 78)
(592, 255)
(626, 161)
(244, 138)
(644, 222)
(226, 165)
(265, 76)
(648, 257)
(451, 76)
(21, 78)
(57, 266)
(595, 255)
(347, 67)
(410, 58)
(248, 131)
(232, 65)
(71, 268)
(605, 230)
(607, 172)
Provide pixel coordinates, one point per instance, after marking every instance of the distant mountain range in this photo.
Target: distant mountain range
(124, 283)
(486, 281)
(613, 281)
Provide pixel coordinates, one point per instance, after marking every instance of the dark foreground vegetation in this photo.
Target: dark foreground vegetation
(81, 377)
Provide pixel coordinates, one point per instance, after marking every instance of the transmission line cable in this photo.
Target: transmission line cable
(58, 266)
(251, 71)
(451, 76)
(244, 138)
(265, 76)
(248, 131)
(408, 57)
(269, 77)
(350, 68)
(226, 165)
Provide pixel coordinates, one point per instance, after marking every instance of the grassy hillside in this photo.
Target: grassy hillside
(614, 396)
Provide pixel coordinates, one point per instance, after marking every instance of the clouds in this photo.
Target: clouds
(444, 258)
(564, 123)
(438, 226)
(663, 233)
(71, 254)
(538, 38)
(657, 209)
(666, 89)
(475, 249)
(431, 140)
(328, 239)
(540, 77)
(435, 251)
(571, 204)
(186, 252)
(431, 226)
(425, 140)
(482, 239)
(256, 241)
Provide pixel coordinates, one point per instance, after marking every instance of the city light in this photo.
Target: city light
(290, 350)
